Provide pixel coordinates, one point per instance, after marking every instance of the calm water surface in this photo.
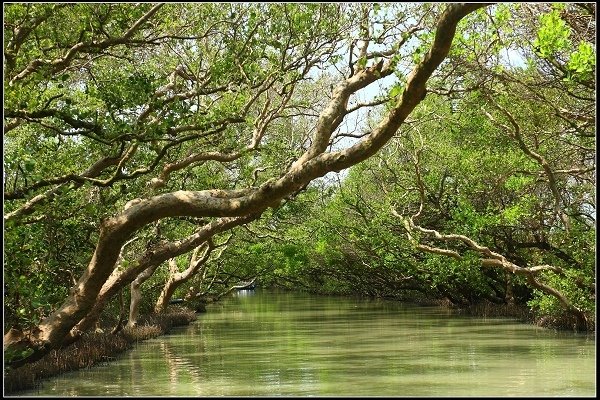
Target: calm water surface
(271, 344)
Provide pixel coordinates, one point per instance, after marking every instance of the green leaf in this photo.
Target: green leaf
(553, 34)
(29, 165)
(362, 62)
(396, 90)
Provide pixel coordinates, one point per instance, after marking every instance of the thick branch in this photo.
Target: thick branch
(497, 260)
(151, 260)
(177, 278)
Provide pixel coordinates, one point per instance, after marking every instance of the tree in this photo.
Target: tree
(494, 170)
(538, 203)
(145, 88)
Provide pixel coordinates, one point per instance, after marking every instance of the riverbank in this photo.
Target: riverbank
(487, 309)
(565, 322)
(94, 348)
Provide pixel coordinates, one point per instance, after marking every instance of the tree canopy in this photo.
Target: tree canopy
(393, 149)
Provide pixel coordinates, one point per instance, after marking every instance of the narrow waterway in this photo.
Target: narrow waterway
(267, 344)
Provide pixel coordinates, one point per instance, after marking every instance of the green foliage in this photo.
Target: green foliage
(553, 34)
(11, 355)
(583, 61)
(579, 296)
(396, 90)
(478, 181)
(522, 209)
(517, 183)
(554, 42)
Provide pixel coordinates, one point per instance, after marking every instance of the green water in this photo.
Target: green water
(271, 344)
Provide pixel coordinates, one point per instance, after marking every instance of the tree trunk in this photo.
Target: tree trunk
(510, 297)
(165, 295)
(136, 294)
(177, 278)
(152, 259)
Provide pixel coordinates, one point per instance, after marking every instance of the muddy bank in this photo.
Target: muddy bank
(93, 348)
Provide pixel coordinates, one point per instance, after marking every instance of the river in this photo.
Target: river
(262, 343)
